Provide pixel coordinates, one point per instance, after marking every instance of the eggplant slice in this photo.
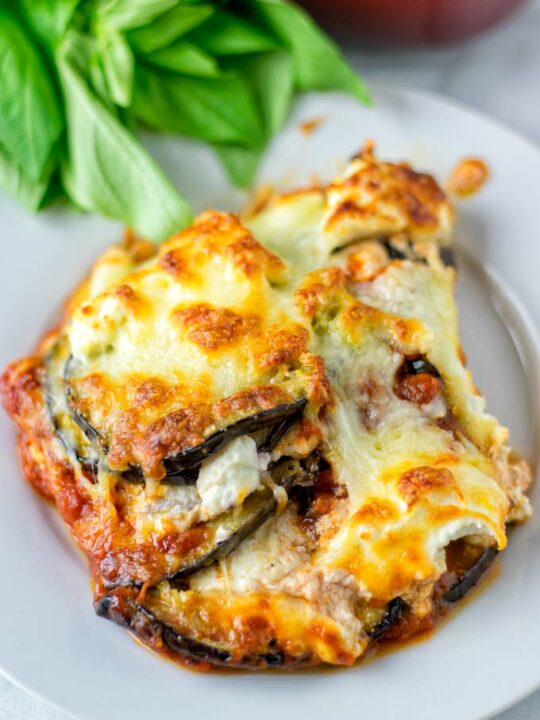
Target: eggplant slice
(76, 443)
(255, 510)
(471, 577)
(132, 615)
(417, 366)
(395, 610)
(147, 627)
(182, 469)
(447, 256)
(402, 250)
(226, 531)
(123, 609)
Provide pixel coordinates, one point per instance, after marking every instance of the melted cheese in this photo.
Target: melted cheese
(374, 198)
(226, 320)
(204, 334)
(418, 291)
(392, 541)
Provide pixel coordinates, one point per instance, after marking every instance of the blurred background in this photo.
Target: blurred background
(485, 53)
(414, 22)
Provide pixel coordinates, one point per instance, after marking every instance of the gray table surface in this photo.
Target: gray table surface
(499, 74)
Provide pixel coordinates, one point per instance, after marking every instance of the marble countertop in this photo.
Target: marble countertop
(498, 74)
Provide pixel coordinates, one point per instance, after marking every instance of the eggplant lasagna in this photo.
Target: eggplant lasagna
(263, 435)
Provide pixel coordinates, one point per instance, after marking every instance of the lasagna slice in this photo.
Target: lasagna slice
(263, 434)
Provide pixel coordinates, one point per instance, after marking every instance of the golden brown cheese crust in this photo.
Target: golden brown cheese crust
(387, 198)
(337, 296)
(144, 419)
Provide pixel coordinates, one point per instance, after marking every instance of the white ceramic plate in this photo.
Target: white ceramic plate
(486, 657)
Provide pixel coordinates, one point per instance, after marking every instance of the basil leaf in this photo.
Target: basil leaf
(48, 18)
(228, 34)
(128, 14)
(29, 193)
(169, 27)
(30, 119)
(97, 78)
(109, 171)
(240, 163)
(183, 57)
(118, 64)
(318, 63)
(271, 77)
(218, 111)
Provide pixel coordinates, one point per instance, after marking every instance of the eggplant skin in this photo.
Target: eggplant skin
(255, 511)
(152, 632)
(418, 365)
(220, 550)
(279, 418)
(126, 612)
(467, 582)
(225, 547)
(395, 610)
(447, 256)
(89, 466)
(285, 474)
(394, 253)
(182, 468)
(408, 253)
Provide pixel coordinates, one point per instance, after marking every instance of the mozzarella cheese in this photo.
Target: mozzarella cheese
(203, 335)
(325, 294)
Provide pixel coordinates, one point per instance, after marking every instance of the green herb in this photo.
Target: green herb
(28, 193)
(272, 81)
(129, 14)
(240, 163)
(78, 77)
(108, 170)
(168, 27)
(228, 34)
(214, 110)
(48, 19)
(317, 62)
(118, 64)
(185, 58)
(30, 118)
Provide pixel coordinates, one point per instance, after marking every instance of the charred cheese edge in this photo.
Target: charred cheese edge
(327, 294)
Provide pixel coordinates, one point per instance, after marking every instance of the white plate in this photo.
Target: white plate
(481, 661)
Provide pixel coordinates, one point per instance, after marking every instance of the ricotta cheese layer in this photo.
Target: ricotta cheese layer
(226, 479)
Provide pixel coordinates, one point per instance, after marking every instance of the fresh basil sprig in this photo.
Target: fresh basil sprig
(79, 77)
